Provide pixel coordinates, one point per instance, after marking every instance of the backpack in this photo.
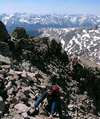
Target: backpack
(55, 89)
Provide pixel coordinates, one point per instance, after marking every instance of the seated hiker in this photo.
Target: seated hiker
(54, 101)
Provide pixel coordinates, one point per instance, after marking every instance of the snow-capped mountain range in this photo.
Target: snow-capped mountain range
(34, 22)
(79, 34)
(81, 42)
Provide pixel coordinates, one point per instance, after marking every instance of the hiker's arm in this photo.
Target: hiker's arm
(40, 99)
(44, 95)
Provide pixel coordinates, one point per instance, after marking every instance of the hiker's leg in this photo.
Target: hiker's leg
(59, 108)
(37, 102)
(39, 99)
(35, 111)
(53, 106)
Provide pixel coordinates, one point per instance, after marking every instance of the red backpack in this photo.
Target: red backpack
(55, 89)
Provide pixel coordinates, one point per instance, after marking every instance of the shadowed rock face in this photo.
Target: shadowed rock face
(19, 33)
(4, 36)
(4, 46)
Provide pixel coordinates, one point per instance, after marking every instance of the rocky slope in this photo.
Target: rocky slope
(38, 62)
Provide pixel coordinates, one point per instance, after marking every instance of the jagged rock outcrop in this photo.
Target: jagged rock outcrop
(5, 52)
(4, 36)
(19, 33)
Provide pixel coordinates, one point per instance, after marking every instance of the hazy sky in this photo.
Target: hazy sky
(51, 6)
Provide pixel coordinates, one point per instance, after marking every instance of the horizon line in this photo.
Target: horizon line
(69, 14)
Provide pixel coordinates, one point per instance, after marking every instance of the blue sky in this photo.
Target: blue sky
(51, 6)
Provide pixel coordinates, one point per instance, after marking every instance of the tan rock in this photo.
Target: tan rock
(21, 108)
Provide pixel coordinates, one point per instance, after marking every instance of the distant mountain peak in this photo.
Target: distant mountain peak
(33, 21)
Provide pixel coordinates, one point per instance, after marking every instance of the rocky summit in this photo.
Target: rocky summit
(33, 65)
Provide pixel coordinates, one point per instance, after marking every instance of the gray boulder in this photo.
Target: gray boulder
(4, 59)
(21, 108)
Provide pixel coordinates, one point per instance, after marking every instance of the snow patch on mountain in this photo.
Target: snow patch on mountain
(63, 43)
(23, 20)
(82, 42)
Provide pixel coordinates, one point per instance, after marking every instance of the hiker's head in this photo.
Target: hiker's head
(55, 89)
